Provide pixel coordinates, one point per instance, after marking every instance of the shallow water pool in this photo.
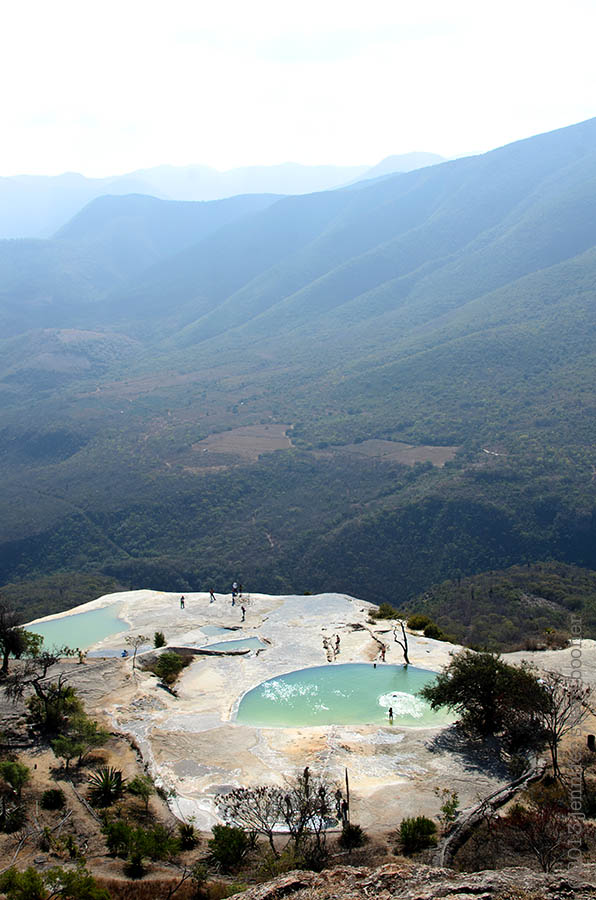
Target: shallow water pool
(81, 629)
(348, 694)
(212, 630)
(249, 643)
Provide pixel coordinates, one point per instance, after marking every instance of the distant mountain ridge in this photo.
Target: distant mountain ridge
(38, 205)
(405, 162)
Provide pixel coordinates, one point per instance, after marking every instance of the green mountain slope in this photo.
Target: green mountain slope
(48, 283)
(42, 282)
(423, 242)
(449, 307)
(521, 606)
(133, 232)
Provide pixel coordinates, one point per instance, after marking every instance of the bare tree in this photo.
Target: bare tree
(136, 641)
(544, 830)
(257, 809)
(305, 808)
(309, 806)
(568, 703)
(403, 641)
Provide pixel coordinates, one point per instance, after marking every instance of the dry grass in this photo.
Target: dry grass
(147, 889)
(158, 887)
(249, 442)
(407, 454)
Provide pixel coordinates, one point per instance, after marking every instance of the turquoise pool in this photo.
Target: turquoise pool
(348, 694)
(81, 629)
(249, 643)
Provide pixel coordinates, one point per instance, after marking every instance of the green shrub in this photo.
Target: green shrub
(142, 786)
(352, 836)
(53, 798)
(433, 631)
(386, 611)
(136, 844)
(418, 622)
(270, 865)
(417, 834)
(118, 836)
(159, 639)
(449, 806)
(228, 846)
(106, 786)
(187, 836)
(49, 714)
(168, 666)
(15, 774)
(27, 885)
(12, 819)
(81, 736)
(74, 884)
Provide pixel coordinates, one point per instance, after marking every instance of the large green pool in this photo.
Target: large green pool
(349, 694)
(81, 629)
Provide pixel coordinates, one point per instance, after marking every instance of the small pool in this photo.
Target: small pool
(250, 643)
(213, 630)
(348, 694)
(81, 629)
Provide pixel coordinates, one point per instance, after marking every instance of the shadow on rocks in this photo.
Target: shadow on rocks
(475, 755)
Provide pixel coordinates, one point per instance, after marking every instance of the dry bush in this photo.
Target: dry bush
(149, 889)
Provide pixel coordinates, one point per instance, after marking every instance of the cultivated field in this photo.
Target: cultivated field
(249, 442)
(396, 451)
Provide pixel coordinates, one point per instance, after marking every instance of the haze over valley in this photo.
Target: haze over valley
(35, 206)
(366, 389)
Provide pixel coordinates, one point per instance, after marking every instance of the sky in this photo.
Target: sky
(108, 87)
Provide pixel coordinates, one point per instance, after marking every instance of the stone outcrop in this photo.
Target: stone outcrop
(416, 882)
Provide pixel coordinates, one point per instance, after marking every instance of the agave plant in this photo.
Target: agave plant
(106, 786)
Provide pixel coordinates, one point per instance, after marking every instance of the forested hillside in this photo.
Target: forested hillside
(422, 347)
(525, 607)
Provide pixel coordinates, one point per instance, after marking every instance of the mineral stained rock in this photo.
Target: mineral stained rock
(404, 882)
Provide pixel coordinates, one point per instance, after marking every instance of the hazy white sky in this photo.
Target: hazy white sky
(104, 87)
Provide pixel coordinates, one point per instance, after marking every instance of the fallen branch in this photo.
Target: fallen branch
(461, 830)
(87, 805)
(34, 832)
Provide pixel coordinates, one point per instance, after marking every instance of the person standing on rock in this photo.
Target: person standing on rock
(390, 713)
(182, 602)
(243, 619)
(211, 596)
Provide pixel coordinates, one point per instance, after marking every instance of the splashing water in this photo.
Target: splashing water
(352, 693)
(403, 704)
